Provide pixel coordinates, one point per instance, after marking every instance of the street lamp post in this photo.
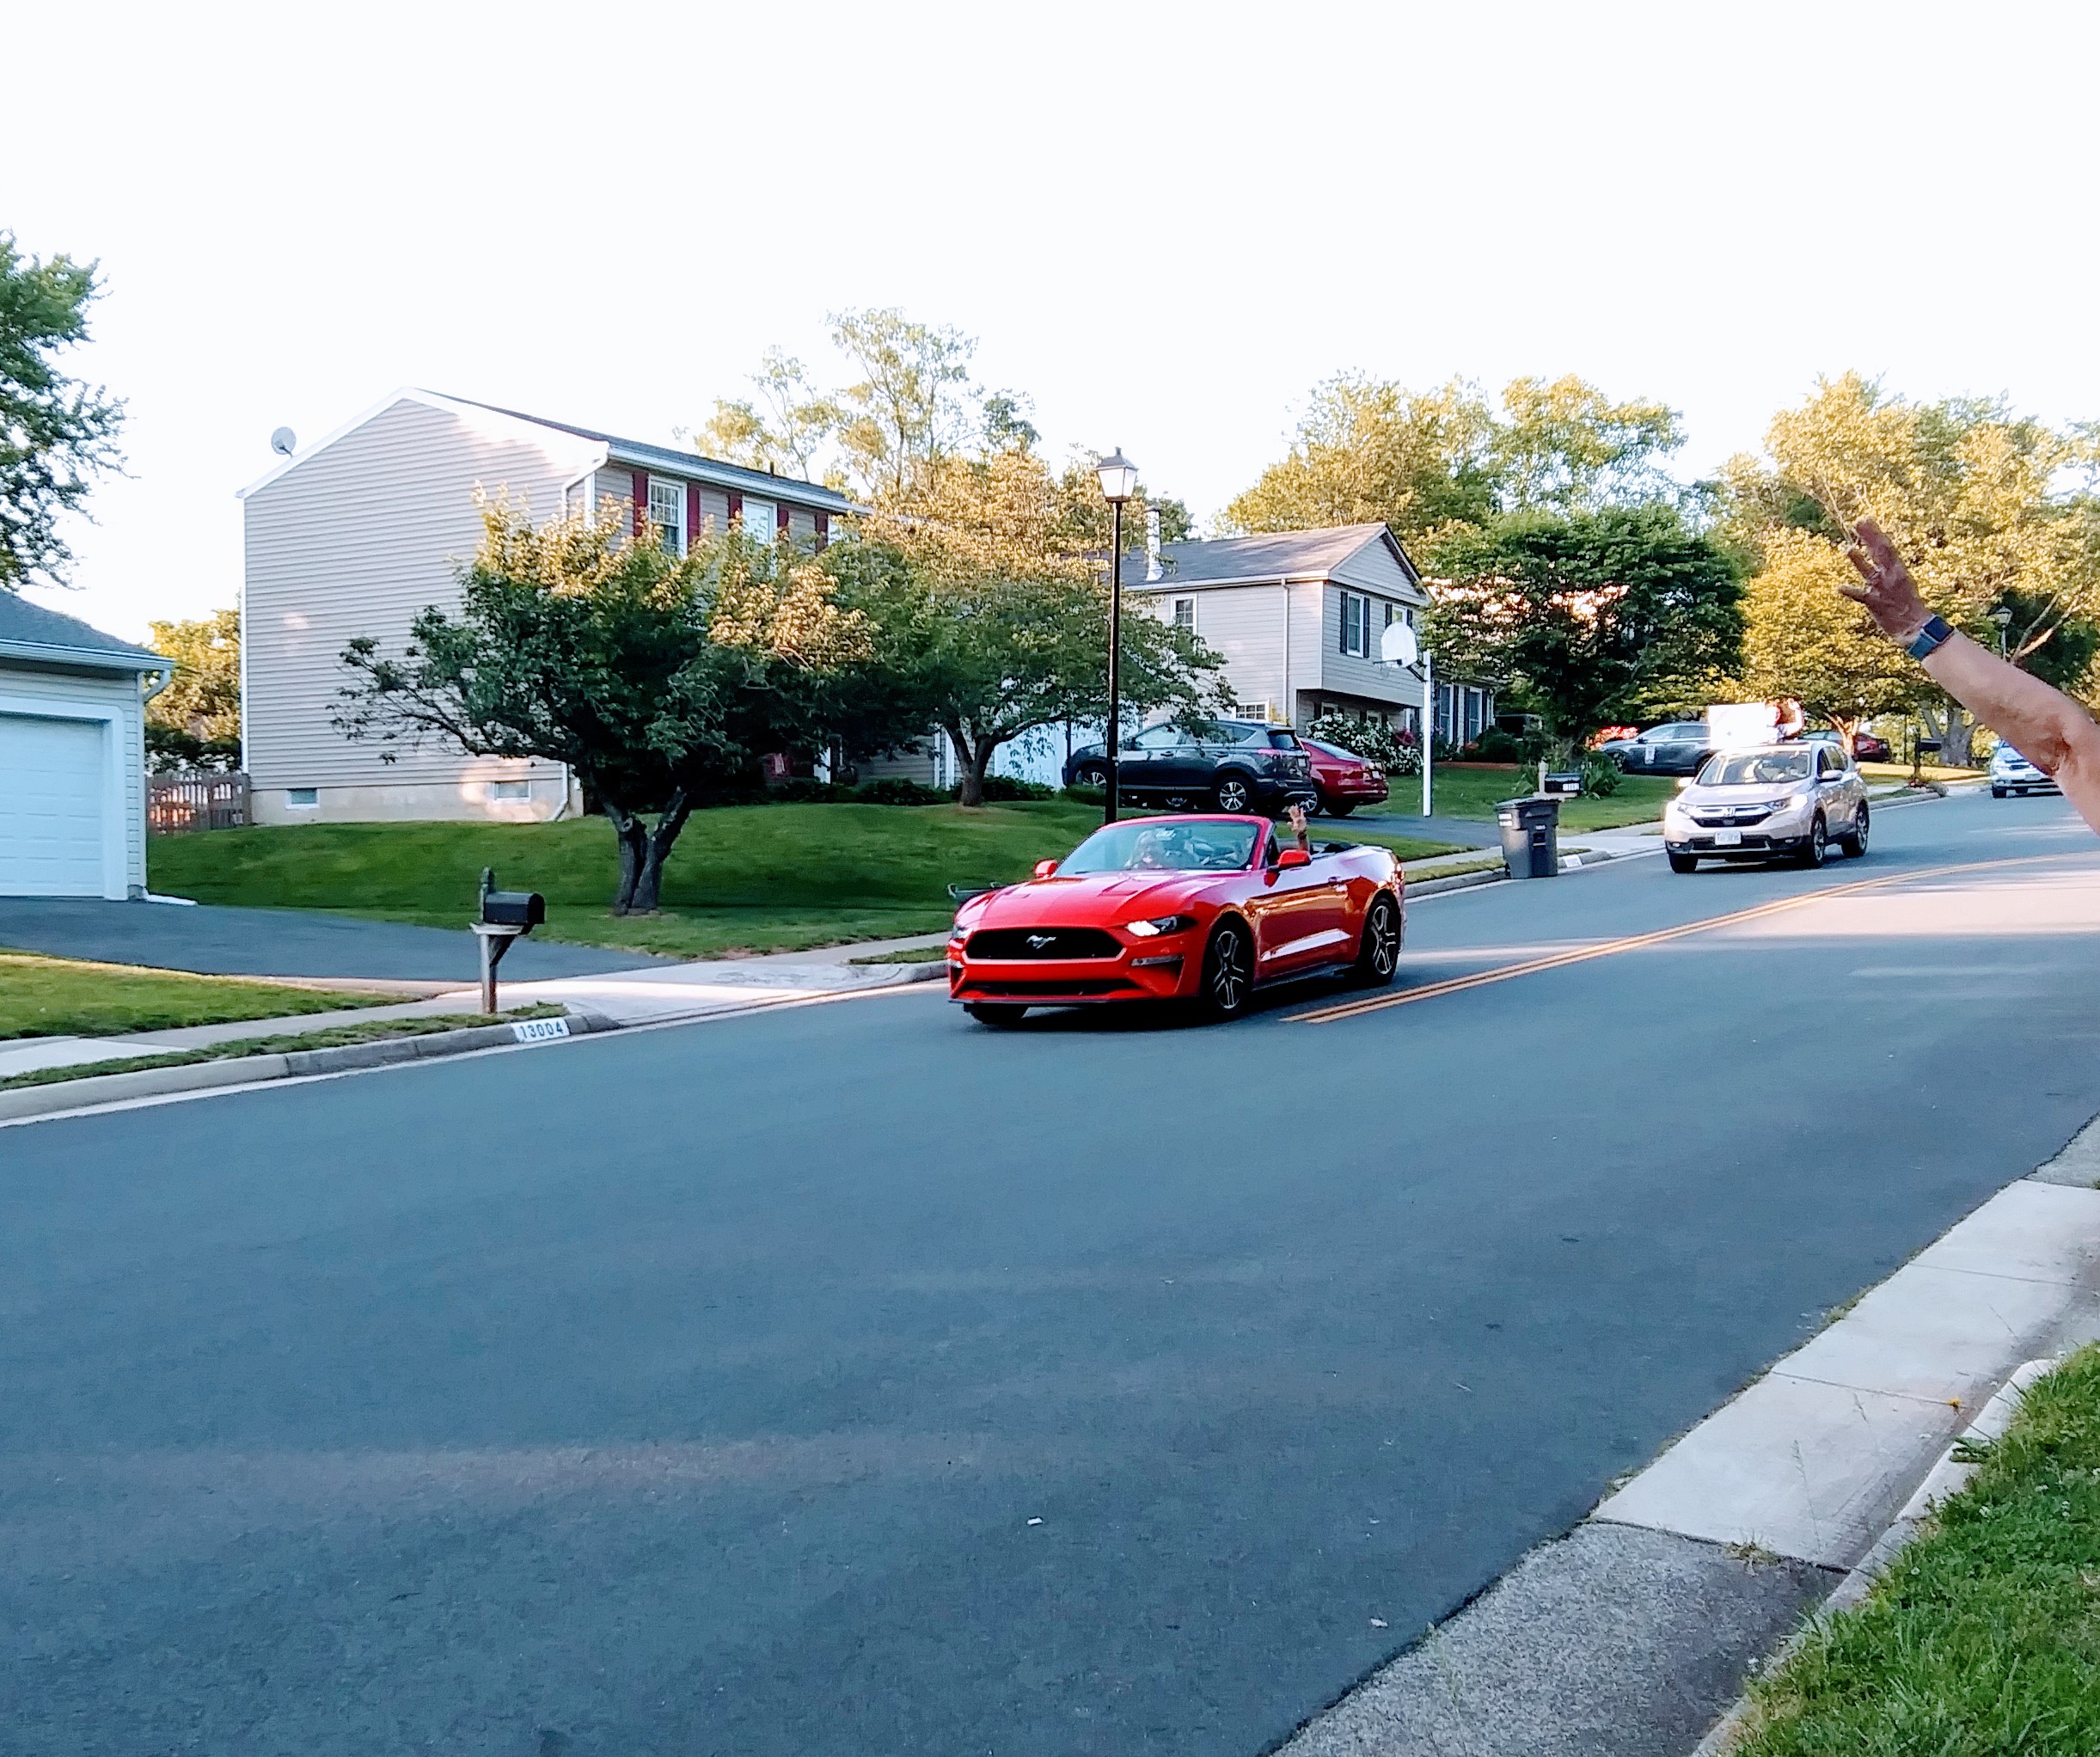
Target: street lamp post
(2003, 616)
(1118, 482)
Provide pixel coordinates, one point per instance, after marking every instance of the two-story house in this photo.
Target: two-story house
(1300, 619)
(355, 535)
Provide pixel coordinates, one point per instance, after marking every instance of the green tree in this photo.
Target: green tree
(912, 405)
(657, 679)
(1594, 617)
(986, 621)
(783, 427)
(1989, 507)
(1368, 451)
(195, 722)
(56, 433)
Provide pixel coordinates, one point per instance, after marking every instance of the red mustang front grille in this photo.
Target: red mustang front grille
(1114, 985)
(1002, 943)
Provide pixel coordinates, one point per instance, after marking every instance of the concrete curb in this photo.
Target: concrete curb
(1947, 1478)
(1634, 1633)
(92, 1090)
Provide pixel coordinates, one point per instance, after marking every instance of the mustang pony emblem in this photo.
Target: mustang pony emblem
(1038, 941)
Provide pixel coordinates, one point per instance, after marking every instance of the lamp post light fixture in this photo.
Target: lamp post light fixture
(1118, 483)
(2003, 616)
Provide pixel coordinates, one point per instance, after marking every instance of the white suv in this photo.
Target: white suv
(1769, 801)
(2011, 773)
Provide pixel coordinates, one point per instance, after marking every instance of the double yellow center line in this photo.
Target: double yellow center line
(1610, 948)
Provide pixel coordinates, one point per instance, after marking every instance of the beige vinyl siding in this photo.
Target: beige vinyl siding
(118, 694)
(1343, 674)
(802, 526)
(714, 508)
(1374, 568)
(356, 540)
(616, 482)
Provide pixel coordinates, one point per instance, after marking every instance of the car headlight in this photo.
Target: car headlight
(1159, 924)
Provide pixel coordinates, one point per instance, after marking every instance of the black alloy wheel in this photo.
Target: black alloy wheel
(1683, 863)
(1234, 792)
(1818, 849)
(1337, 808)
(1089, 776)
(1998, 793)
(1228, 972)
(1378, 952)
(1854, 841)
(1000, 1018)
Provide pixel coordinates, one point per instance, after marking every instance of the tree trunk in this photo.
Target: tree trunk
(970, 784)
(1846, 726)
(633, 836)
(649, 882)
(1956, 730)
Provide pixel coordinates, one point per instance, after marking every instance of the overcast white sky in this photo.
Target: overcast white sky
(605, 214)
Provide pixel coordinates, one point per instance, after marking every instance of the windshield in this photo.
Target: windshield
(1200, 846)
(1760, 768)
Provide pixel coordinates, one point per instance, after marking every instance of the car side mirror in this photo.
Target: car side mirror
(1294, 857)
(1044, 868)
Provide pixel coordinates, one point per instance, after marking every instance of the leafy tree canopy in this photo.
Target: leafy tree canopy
(1592, 617)
(987, 619)
(659, 679)
(1371, 451)
(195, 722)
(56, 433)
(1990, 508)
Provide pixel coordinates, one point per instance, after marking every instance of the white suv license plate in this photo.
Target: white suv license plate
(1728, 838)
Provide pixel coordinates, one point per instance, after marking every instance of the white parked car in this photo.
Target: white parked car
(1789, 800)
(2011, 773)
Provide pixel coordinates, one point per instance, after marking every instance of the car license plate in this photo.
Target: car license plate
(1728, 838)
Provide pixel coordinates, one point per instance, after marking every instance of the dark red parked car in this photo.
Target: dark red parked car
(1345, 780)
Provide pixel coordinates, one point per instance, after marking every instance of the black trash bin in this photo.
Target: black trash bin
(1530, 837)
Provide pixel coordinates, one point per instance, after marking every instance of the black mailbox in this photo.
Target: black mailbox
(1568, 785)
(524, 909)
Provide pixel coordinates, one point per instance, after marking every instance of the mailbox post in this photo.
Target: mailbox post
(506, 916)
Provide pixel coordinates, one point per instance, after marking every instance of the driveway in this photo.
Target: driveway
(268, 942)
(1465, 832)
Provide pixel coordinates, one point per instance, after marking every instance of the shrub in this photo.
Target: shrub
(1601, 775)
(1004, 789)
(1396, 753)
(1495, 745)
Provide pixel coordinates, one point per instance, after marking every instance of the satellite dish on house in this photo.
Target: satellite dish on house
(284, 442)
(1398, 645)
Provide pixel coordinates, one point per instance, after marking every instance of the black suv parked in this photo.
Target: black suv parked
(1223, 765)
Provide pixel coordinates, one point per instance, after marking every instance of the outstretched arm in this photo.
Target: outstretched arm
(2042, 723)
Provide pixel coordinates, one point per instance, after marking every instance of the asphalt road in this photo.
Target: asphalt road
(217, 941)
(853, 1379)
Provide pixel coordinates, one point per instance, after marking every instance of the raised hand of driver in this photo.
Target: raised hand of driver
(1886, 588)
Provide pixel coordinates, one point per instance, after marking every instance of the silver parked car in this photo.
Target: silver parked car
(1767, 802)
(2011, 773)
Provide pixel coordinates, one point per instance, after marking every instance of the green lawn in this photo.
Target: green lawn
(62, 997)
(745, 877)
(332, 1037)
(1472, 790)
(1985, 1635)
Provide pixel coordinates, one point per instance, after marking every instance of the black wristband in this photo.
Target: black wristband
(1930, 639)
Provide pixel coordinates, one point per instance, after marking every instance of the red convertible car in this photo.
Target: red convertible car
(1201, 909)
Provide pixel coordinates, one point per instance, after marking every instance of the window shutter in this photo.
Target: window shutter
(641, 499)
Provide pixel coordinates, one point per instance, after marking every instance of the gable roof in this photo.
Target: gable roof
(30, 631)
(669, 459)
(1266, 556)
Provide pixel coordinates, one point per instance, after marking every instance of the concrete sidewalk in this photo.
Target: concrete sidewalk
(1633, 1635)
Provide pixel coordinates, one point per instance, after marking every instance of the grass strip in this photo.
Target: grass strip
(1984, 1637)
(42, 996)
(334, 1037)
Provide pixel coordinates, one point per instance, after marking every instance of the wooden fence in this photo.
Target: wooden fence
(177, 803)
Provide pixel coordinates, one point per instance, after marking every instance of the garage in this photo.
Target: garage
(72, 755)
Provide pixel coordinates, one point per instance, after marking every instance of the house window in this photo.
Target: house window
(760, 520)
(667, 513)
(1446, 702)
(302, 798)
(1185, 614)
(1356, 626)
(510, 790)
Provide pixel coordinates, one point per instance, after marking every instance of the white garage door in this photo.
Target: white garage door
(51, 806)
